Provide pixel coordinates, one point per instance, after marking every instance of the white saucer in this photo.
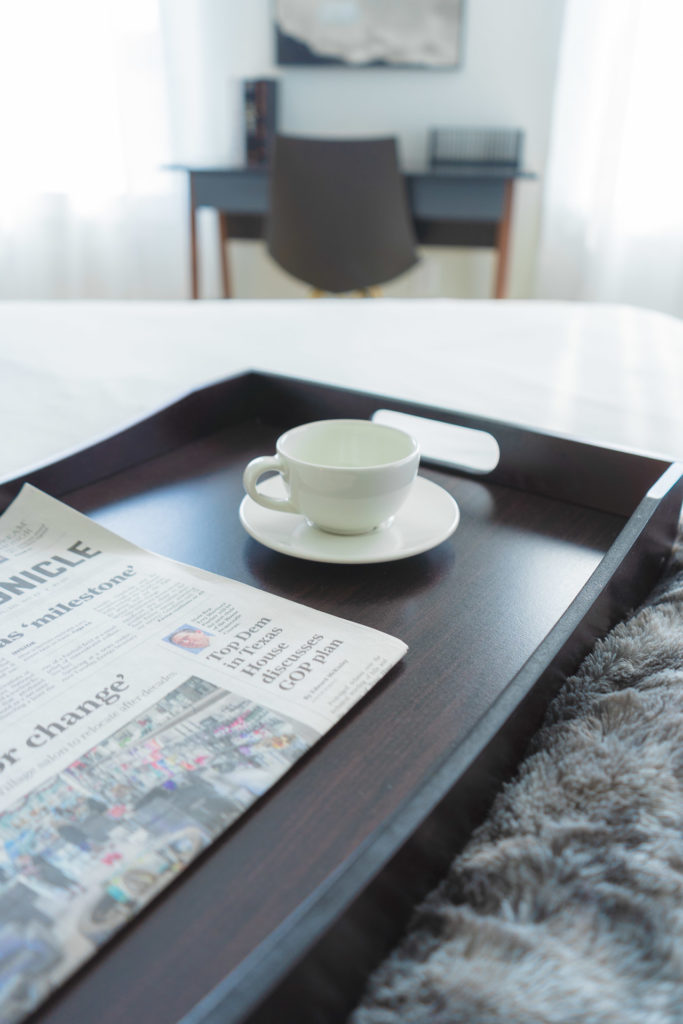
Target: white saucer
(428, 517)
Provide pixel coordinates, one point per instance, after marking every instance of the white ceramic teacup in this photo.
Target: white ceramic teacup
(344, 476)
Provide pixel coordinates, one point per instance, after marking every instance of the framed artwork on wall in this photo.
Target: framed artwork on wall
(369, 33)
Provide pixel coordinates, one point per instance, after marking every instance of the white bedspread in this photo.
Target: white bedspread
(71, 372)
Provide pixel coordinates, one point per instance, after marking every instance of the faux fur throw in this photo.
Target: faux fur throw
(567, 904)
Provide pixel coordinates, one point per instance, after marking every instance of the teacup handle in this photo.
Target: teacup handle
(254, 471)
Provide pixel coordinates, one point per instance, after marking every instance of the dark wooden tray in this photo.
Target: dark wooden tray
(283, 917)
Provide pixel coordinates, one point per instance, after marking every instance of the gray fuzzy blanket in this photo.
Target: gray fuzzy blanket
(567, 904)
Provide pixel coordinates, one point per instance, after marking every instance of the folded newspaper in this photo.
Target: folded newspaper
(144, 705)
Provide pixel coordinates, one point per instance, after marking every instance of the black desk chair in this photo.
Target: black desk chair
(339, 218)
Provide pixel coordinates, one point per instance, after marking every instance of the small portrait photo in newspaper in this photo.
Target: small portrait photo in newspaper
(190, 638)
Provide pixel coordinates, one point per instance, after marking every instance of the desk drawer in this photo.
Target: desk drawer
(433, 198)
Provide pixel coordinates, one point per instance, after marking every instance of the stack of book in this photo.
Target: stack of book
(260, 115)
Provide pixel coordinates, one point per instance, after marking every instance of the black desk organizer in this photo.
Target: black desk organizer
(284, 916)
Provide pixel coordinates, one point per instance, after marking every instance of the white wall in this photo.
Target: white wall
(506, 78)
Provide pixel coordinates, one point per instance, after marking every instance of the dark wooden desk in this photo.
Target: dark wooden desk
(468, 206)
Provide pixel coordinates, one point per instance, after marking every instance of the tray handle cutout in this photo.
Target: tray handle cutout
(666, 481)
(446, 444)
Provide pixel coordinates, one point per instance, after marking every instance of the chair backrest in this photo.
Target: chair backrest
(339, 217)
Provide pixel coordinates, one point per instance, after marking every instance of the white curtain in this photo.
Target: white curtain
(612, 226)
(86, 208)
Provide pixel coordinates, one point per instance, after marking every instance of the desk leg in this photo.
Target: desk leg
(194, 272)
(503, 242)
(225, 266)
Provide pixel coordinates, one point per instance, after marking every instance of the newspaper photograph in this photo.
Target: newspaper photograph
(144, 705)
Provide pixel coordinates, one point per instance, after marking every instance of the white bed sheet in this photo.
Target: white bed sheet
(71, 372)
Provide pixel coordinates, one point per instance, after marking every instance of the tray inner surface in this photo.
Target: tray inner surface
(472, 610)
